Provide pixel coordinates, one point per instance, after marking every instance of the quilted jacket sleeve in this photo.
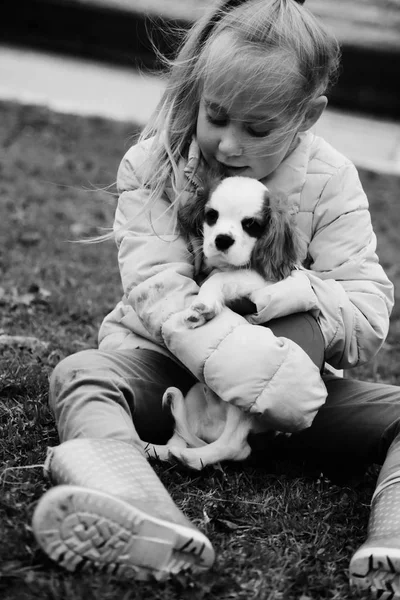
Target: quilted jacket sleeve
(155, 266)
(347, 288)
(355, 296)
(244, 364)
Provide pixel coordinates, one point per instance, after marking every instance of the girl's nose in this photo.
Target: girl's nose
(230, 143)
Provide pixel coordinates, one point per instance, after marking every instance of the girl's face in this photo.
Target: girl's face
(237, 139)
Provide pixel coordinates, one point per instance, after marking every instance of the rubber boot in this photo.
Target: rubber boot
(109, 511)
(376, 564)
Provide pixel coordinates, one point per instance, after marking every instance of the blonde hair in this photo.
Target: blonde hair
(293, 61)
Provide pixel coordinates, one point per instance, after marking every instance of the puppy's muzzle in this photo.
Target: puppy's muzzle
(223, 241)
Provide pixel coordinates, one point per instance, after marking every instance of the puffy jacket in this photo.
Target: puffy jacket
(342, 282)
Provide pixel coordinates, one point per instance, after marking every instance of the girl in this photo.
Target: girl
(247, 86)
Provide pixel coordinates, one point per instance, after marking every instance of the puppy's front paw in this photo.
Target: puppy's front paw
(197, 314)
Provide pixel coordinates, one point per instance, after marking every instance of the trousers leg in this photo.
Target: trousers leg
(358, 424)
(304, 330)
(95, 394)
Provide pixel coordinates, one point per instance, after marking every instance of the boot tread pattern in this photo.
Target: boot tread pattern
(80, 534)
(379, 576)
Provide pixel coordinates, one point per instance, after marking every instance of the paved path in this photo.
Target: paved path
(89, 88)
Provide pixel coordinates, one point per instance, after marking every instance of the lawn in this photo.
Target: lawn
(282, 530)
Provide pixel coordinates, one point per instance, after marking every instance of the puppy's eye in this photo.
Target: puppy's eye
(211, 216)
(252, 227)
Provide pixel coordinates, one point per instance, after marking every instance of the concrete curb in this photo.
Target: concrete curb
(368, 82)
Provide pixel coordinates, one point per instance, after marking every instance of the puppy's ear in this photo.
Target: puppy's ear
(191, 214)
(282, 246)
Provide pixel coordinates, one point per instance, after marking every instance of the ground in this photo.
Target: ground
(282, 530)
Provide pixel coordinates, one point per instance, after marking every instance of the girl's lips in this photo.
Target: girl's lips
(229, 170)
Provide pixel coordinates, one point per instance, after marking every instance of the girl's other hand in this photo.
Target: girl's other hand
(243, 306)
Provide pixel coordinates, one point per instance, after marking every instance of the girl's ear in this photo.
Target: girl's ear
(313, 113)
(281, 247)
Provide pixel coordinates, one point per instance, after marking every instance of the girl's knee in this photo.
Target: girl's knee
(303, 329)
(66, 371)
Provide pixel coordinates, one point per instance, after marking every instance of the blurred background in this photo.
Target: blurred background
(98, 57)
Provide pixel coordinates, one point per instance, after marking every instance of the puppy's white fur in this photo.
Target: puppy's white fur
(207, 430)
(249, 239)
(235, 199)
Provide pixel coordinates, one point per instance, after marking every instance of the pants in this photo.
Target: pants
(95, 394)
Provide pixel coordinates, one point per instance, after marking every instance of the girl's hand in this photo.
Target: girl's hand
(243, 306)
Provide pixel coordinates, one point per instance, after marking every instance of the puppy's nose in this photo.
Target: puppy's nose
(223, 242)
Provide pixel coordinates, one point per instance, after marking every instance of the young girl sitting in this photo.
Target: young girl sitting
(246, 88)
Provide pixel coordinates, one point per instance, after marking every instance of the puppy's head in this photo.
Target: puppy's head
(243, 225)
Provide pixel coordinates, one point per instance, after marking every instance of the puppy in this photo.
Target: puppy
(248, 239)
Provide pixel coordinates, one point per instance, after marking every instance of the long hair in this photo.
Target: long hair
(278, 48)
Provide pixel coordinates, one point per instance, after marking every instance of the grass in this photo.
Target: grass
(282, 530)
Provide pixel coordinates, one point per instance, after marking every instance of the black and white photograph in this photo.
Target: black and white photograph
(199, 300)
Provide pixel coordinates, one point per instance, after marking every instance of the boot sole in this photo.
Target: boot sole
(83, 529)
(377, 569)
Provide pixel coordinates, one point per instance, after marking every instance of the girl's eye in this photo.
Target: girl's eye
(211, 216)
(219, 121)
(216, 119)
(252, 227)
(259, 133)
